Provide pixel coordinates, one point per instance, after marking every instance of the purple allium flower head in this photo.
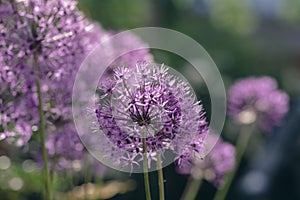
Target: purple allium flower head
(148, 101)
(257, 99)
(219, 161)
(55, 36)
(52, 29)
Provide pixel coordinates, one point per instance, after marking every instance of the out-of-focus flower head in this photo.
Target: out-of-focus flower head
(148, 101)
(219, 161)
(52, 35)
(51, 30)
(116, 46)
(257, 100)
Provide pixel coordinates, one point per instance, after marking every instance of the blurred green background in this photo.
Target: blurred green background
(247, 37)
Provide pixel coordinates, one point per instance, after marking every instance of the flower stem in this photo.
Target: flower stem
(145, 167)
(48, 194)
(192, 189)
(160, 178)
(241, 147)
(87, 178)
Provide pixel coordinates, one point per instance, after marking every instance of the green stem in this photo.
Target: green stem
(192, 189)
(48, 194)
(87, 178)
(241, 147)
(160, 178)
(145, 167)
(70, 175)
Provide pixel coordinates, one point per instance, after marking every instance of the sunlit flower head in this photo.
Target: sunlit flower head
(151, 102)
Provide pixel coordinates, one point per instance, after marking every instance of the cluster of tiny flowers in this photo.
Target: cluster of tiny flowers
(53, 36)
(147, 101)
(213, 167)
(51, 29)
(257, 100)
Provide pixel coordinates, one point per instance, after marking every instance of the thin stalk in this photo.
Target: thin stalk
(48, 192)
(160, 178)
(72, 179)
(87, 178)
(192, 188)
(241, 147)
(145, 168)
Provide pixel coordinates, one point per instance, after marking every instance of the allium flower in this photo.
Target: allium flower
(257, 99)
(219, 161)
(51, 29)
(53, 36)
(148, 101)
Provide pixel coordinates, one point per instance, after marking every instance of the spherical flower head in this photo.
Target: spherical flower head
(257, 100)
(151, 102)
(217, 163)
(52, 35)
(50, 29)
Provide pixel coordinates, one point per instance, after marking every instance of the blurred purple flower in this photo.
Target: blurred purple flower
(52, 34)
(219, 161)
(257, 100)
(122, 44)
(148, 101)
(116, 48)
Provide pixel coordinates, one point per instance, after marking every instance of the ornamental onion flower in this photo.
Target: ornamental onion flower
(257, 100)
(219, 161)
(52, 36)
(152, 102)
